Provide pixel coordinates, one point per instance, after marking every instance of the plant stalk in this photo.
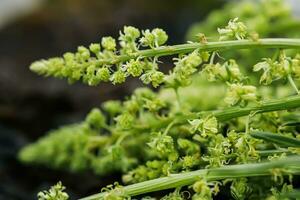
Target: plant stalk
(282, 43)
(290, 164)
(226, 114)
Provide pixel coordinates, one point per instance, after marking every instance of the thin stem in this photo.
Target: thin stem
(177, 97)
(286, 103)
(293, 84)
(272, 152)
(290, 164)
(212, 58)
(283, 43)
(281, 140)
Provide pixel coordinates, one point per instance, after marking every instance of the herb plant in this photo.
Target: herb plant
(212, 128)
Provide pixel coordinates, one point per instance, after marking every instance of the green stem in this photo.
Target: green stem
(279, 139)
(272, 152)
(290, 164)
(283, 43)
(293, 84)
(286, 103)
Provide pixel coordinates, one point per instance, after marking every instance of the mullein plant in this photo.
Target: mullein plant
(243, 143)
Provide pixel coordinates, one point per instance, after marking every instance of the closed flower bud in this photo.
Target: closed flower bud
(95, 48)
(118, 77)
(83, 52)
(103, 74)
(134, 68)
(125, 120)
(108, 43)
(95, 118)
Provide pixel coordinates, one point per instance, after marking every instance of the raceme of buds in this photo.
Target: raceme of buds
(93, 66)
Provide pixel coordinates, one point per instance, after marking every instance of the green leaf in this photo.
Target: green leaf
(276, 138)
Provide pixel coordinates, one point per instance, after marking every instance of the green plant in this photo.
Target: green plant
(242, 133)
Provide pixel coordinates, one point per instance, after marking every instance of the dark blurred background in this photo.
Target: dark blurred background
(31, 105)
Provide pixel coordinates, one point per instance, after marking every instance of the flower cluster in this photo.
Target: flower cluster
(103, 62)
(278, 69)
(234, 29)
(56, 192)
(157, 134)
(206, 126)
(227, 72)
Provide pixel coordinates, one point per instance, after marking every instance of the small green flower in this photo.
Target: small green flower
(202, 191)
(163, 144)
(95, 118)
(130, 34)
(228, 72)
(160, 35)
(155, 38)
(113, 107)
(109, 43)
(103, 74)
(118, 77)
(154, 105)
(95, 48)
(154, 77)
(134, 68)
(83, 52)
(240, 93)
(208, 125)
(56, 192)
(239, 188)
(234, 29)
(125, 120)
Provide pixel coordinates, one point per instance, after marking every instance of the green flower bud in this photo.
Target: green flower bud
(154, 105)
(84, 53)
(113, 107)
(95, 48)
(118, 77)
(160, 36)
(39, 67)
(239, 188)
(103, 74)
(190, 161)
(155, 38)
(202, 190)
(234, 29)
(239, 92)
(125, 120)
(108, 43)
(163, 144)
(157, 78)
(134, 68)
(95, 118)
(132, 105)
(130, 33)
(208, 125)
(148, 39)
(188, 146)
(55, 192)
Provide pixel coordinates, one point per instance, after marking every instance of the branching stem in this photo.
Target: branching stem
(277, 43)
(286, 103)
(290, 164)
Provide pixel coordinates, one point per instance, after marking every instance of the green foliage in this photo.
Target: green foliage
(211, 122)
